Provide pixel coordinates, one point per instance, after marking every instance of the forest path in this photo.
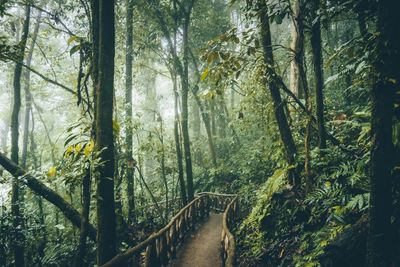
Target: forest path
(202, 248)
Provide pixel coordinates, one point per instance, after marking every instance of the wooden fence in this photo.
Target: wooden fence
(161, 247)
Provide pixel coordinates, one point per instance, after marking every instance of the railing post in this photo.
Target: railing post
(163, 250)
(151, 258)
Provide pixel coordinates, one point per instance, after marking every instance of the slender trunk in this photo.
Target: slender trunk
(184, 122)
(119, 217)
(212, 114)
(178, 149)
(299, 84)
(362, 23)
(128, 110)
(153, 199)
(19, 240)
(28, 98)
(222, 120)
(284, 129)
(318, 73)
(204, 114)
(206, 120)
(196, 129)
(163, 171)
(94, 5)
(386, 83)
(106, 233)
(232, 97)
(177, 124)
(297, 48)
(42, 216)
(86, 182)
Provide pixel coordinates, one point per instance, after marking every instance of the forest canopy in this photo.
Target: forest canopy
(127, 124)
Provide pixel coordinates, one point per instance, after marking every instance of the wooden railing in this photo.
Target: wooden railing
(228, 245)
(160, 248)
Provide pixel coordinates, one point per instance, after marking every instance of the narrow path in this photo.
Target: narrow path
(202, 249)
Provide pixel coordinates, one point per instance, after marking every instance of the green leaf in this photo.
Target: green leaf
(205, 74)
(71, 39)
(74, 50)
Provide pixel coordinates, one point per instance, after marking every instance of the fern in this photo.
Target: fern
(359, 202)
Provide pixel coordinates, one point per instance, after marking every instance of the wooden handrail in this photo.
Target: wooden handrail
(228, 244)
(160, 247)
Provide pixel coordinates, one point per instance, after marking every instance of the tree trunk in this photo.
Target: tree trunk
(178, 147)
(297, 47)
(19, 240)
(361, 19)
(106, 234)
(318, 73)
(281, 119)
(177, 124)
(95, 32)
(163, 170)
(206, 120)
(386, 82)
(212, 115)
(184, 122)
(28, 97)
(196, 128)
(128, 110)
(86, 182)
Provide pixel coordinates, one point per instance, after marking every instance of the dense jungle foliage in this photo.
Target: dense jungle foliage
(114, 114)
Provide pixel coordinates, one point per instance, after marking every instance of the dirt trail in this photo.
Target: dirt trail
(202, 249)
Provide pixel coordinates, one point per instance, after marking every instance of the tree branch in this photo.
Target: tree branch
(46, 192)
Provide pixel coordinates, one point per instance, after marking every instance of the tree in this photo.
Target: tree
(385, 85)
(106, 224)
(28, 96)
(128, 110)
(279, 106)
(18, 245)
(318, 72)
(184, 73)
(297, 47)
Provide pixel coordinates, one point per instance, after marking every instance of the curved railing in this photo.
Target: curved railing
(160, 248)
(228, 245)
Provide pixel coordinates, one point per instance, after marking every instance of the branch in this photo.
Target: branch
(46, 192)
(69, 90)
(283, 86)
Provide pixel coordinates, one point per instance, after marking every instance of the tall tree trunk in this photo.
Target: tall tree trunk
(212, 115)
(86, 182)
(196, 128)
(222, 120)
(106, 233)
(386, 82)
(185, 92)
(318, 73)
(361, 19)
(177, 124)
(163, 171)
(281, 119)
(296, 46)
(95, 35)
(28, 97)
(178, 147)
(206, 120)
(128, 110)
(19, 240)
(204, 114)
